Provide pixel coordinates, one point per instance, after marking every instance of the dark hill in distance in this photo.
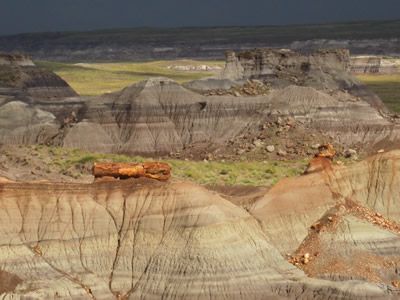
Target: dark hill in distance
(133, 44)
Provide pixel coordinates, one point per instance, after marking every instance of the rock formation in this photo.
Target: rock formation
(329, 234)
(21, 78)
(324, 69)
(355, 220)
(276, 65)
(372, 65)
(22, 60)
(158, 116)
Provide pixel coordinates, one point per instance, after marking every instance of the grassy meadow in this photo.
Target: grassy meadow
(77, 162)
(387, 87)
(99, 78)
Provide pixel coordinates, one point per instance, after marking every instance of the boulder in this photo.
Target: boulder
(281, 152)
(270, 148)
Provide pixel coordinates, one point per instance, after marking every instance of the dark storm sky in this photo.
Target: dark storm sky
(58, 15)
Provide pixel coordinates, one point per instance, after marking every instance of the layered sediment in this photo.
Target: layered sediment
(373, 65)
(158, 116)
(20, 77)
(150, 239)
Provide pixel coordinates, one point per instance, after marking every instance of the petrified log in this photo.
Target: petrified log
(154, 170)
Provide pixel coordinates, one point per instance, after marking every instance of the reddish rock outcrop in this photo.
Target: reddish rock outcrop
(322, 160)
(327, 151)
(155, 170)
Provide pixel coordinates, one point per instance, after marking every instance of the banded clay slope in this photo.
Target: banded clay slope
(162, 115)
(346, 220)
(145, 240)
(158, 116)
(165, 117)
(22, 85)
(19, 76)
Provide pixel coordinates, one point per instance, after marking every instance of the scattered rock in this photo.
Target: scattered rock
(316, 226)
(281, 152)
(257, 143)
(270, 148)
(351, 153)
(241, 151)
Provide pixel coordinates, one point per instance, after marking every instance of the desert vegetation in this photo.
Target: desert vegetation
(99, 78)
(387, 87)
(77, 163)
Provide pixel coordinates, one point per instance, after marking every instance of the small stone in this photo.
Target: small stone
(241, 151)
(270, 148)
(381, 151)
(316, 226)
(315, 146)
(305, 260)
(281, 152)
(351, 152)
(257, 143)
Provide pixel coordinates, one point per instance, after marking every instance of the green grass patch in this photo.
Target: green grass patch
(387, 87)
(252, 173)
(99, 78)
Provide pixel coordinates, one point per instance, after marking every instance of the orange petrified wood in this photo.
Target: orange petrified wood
(154, 170)
(327, 151)
(322, 160)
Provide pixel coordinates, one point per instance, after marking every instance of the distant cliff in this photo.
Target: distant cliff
(372, 65)
(15, 60)
(135, 44)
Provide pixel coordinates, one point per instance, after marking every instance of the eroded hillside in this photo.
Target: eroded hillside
(153, 240)
(302, 96)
